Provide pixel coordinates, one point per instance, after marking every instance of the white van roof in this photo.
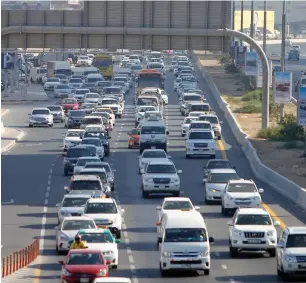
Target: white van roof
(184, 219)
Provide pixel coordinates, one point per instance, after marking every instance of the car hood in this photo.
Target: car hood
(146, 160)
(92, 99)
(296, 251)
(87, 269)
(254, 228)
(242, 195)
(73, 139)
(52, 83)
(70, 234)
(160, 175)
(185, 247)
(39, 116)
(216, 186)
(102, 246)
(201, 141)
(102, 216)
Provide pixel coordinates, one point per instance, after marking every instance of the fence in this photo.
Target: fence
(20, 259)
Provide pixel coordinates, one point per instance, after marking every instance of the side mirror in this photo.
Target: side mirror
(179, 171)
(158, 223)
(205, 180)
(142, 171)
(211, 240)
(109, 138)
(280, 245)
(261, 191)
(58, 205)
(122, 211)
(169, 157)
(117, 241)
(197, 208)
(230, 223)
(61, 262)
(158, 208)
(29, 114)
(56, 228)
(234, 167)
(167, 132)
(276, 223)
(66, 188)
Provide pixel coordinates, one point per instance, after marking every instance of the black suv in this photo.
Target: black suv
(72, 156)
(74, 118)
(103, 136)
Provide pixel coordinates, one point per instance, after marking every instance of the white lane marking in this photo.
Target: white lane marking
(11, 201)
(125, 234)
(232, 281)
(224, 266)
(123, 226)
(46, 201)
(133, 269)
(128, 250)
(50, 171)
(131, 259)
(126, 241)
(47, 194)
(49, 182)
(217, 254)
(135, 279)
(48, 188)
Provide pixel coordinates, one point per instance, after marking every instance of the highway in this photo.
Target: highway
(32, 175)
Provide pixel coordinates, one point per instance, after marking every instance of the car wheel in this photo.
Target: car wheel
(233, 251)
(213, 156)
(272, 252)
(187, 156)
(222, 210)
(30, 126)
(62, 120)
(66, 173)
(51, 125)
(145, 194)
(183, 135)
(177, 194)
(114, 266)
(118, 235)
(206, 271)
(163, 272)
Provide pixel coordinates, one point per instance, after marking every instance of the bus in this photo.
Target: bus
(149, 78)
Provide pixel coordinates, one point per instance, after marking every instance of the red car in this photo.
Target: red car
(84, 265)
(70, 104)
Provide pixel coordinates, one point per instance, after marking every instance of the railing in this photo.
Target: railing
(20, 259)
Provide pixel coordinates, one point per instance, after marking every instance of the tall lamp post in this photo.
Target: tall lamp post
(283, 51)
(241, 20)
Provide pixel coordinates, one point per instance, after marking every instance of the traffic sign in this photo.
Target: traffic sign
(7, 61)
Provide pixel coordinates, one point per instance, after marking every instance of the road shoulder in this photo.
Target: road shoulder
(9, 138)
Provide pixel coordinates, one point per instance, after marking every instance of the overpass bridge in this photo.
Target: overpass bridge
(156, 25)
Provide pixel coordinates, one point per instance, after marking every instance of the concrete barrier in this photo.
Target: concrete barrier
(2, 128)
(278, 182)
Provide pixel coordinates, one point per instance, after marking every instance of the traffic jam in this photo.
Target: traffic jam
(90, 221)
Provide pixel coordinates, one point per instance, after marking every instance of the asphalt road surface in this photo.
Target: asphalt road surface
(32, 175)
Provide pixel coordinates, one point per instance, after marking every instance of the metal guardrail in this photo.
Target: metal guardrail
(20, 259)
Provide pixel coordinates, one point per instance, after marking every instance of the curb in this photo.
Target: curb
(5, 112)
(13, 142)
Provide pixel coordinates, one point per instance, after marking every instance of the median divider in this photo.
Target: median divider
(278, 182)
(20, 259)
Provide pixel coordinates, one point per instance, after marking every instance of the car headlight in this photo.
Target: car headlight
(229, 198)
(256, 198)
(108, 253)
(212, 145)
(290, 259)
(204, 254)
(175, 181)
(102, 272)
(110, 179)
(270, 233)
(149, 180)
(189, 144)
(65, 213)
(167, 254)
(65, 272)
(212, 190)
(238, 233)
(64, 237)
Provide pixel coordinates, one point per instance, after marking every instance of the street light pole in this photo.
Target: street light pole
(264, 45)
(283, 52)
(241, 20)
(252, 19)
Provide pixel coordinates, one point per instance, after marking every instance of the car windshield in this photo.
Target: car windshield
(53, 80)
(222, 164)
(109, 101)
(242, 188)
(104, 83)
(92, 95)
(211, 119)
(82, 162)
(78, 152)
(41, 112)
(92, 121)
(147, 101)
(296, 241)
(222, 177)
(54, 108)
(144, 109)
(87, 106)
(153, 130)
(200, 126)
(201, 107)
(177, 205)
(96, 238)
(119, 83)
(62, 87)
(189, 120)
(161, 169)
(74, 202)
(112, 90)
(85, 259)
(78, 224)
(136, 67)
(200, 136)
(69, 101)
(99, 208)
(74, 134)
(77, 113)
(185, 235)
(85, 185)
(154, 154)
(100, 135)
(96, 142)
(248, 219)
(77, 81)
(192, 98)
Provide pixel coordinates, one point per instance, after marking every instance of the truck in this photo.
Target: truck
(58, 67)
(37, 74)
(104, 63)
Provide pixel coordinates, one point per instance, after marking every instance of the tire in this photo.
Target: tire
(272, 252)
(213, 156)
(206, 271)
(163, 272)
(66, 173)
(114, 266)
(30, 126)
(222, 210)
(183, 135)
(187, 156)
(177, 194)
(62, 121)
(219, 138)
(226, 213)
(51, 125)
(233, 251)
(118, 235)
(145, 194)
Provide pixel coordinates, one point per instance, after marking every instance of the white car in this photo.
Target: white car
(84, 60)
(291, 252)
(82, 162)
(62, 91)
(94, 128)
(57, 112)
(103, 240)
(185, 125)
(200, 143)
(110, 112)
(177, 83)
(51, 83)
(252, 229)
(164, 97)
(215, 183)
(116, 108)
(151, 155)
(80, 93)
(216, 124)
(196, 113)
(160, 176)
(200, 126)
(112, 280)
(240, 193)
(175, 203)
(97, 143)
(73, 138)
(71, 205)
(41, 117)
(141, 112)
(75, 83)
(92, 98)
(68, 228)
(105, 213)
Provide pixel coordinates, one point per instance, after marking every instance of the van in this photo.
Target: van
(37, 74)
(185, 244)
(93, 78)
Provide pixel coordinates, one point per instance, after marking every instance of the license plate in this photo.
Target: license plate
(84, 280)
(302, 266)
(254, 241)
(153, 147)
(201, 150)
(187, 265)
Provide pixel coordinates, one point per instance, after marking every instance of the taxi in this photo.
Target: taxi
(133, 141)
(109, 111)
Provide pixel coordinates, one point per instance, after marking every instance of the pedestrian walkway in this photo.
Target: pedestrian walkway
(9, 137)
(30, 96)
(4, 111)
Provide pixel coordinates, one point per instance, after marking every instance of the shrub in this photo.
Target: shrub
(254, 107)
(293, 145)
(252, 95)
(272, 133)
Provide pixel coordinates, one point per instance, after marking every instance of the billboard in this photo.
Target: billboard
(301, 104)
(282, 87)
(250, 64)
(42, 5)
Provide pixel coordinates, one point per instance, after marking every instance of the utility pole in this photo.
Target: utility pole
(241, 20)
(252, 19)
(283, 52)
(265, 29)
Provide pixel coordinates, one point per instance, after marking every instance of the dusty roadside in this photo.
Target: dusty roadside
(288, 162)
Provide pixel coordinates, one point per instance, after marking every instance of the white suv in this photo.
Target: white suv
(291, 252)
(252, 229)
(160, 177)
(186, 123)
(240, 193)
(151, 155)
(200, 143)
